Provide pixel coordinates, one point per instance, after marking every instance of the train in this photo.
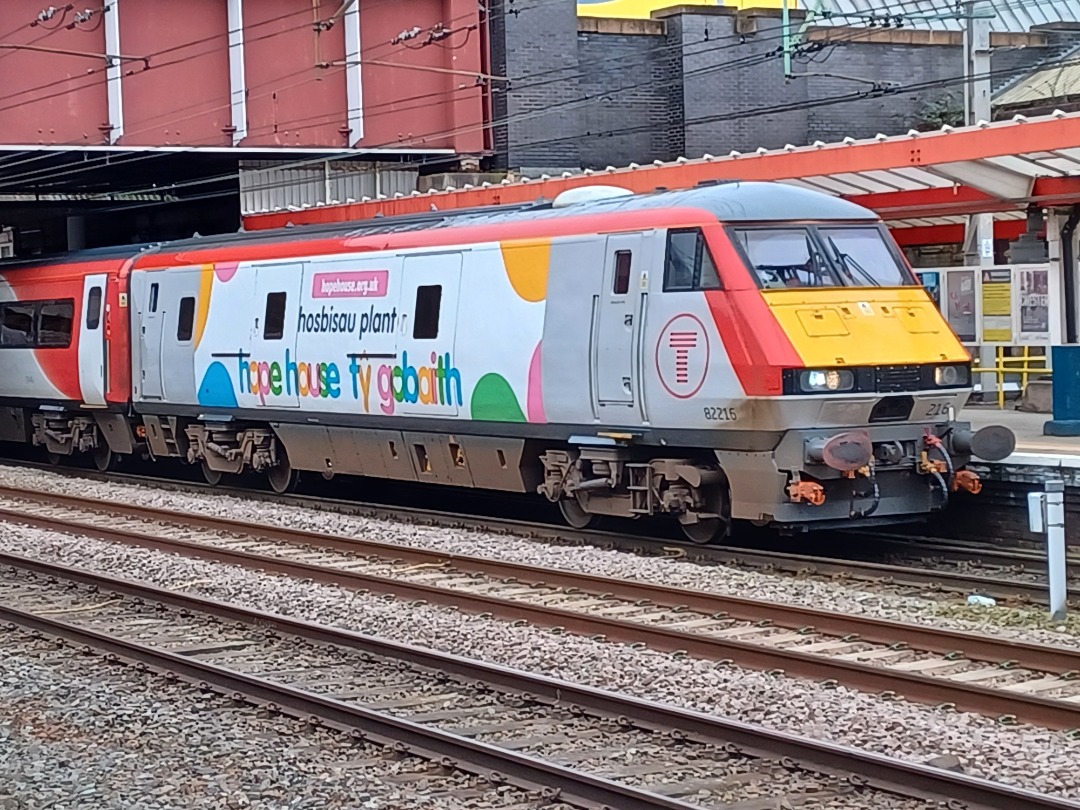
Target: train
(733, 352)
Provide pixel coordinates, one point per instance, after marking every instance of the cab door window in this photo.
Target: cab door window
(93, 308)
(688, 265)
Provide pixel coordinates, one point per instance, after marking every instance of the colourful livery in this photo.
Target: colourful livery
(741, 351)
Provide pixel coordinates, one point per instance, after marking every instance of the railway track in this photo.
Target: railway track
(562, 744)
(1013, 681)
(971, 557)
(1011, 575)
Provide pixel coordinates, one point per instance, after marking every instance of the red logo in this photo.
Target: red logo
(682, 356)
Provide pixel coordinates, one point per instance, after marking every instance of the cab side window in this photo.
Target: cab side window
(688, 264)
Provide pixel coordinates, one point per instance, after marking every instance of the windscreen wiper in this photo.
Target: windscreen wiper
(849, 264)
(780, 268)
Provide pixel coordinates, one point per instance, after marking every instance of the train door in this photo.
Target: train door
(179, 303)
(616, 332)
(273, 335)
(151, 318)
(430, 382)
(93, 359)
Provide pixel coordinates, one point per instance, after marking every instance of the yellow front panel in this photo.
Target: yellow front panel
(865, 327)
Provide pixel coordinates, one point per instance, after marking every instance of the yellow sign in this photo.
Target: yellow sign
(643, 9)
(997, 306)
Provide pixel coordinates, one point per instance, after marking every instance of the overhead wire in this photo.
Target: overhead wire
(746, 61)
(794, 106)
(515, 81)
(202, 109)
(743, 62)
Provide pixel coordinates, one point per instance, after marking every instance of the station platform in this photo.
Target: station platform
(1037, 457)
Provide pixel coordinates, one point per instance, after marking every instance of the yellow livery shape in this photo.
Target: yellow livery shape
(865, 326)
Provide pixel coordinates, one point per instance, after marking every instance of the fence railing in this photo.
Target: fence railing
(1024, 365)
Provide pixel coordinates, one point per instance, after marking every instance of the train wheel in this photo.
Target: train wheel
(577, 517)
(103, 457)
(709, 529)
(704, 531)
(282, 478)
(213, 477)
(54, 458)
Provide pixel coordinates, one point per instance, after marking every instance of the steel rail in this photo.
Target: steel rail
(482, 759)
(837, 567)
(1042, 657)
(872, 770)
(771, 560)
(906, 575)
(1033, 561)
(926, 689)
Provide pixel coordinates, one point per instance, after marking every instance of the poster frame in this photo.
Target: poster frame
(1018, 336)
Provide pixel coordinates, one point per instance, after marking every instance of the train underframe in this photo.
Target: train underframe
(809, 479)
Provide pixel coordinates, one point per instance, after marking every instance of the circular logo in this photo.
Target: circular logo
(682, 356)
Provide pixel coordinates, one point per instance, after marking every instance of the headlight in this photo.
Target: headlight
(952, 376)
(819, 380)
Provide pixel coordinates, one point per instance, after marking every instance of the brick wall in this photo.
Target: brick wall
(534, 42)
(629, 81)
(732, 85)
(704, 80)
(890, 114)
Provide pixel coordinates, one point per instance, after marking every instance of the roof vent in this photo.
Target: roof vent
(587, 194)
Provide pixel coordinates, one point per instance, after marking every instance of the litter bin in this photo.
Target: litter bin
(1065, 361)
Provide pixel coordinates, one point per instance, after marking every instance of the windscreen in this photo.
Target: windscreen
(841, 256)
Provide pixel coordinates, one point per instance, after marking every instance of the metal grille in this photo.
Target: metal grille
(898, 378)
(276, 185)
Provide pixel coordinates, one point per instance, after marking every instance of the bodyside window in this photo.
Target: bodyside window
(274, 323)
(426, 320)
(17, 324)
(55, 320)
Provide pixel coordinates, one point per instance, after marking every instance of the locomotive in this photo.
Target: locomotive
(739, 351)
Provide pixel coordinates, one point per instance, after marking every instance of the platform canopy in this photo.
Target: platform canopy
(924, 184)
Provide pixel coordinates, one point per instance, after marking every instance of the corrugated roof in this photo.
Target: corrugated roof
(992, 166)
(1049, 84)
(1009, 15)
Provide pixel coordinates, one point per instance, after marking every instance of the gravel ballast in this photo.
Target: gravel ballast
(667, 571)
(79, 733)
(1030, 757)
